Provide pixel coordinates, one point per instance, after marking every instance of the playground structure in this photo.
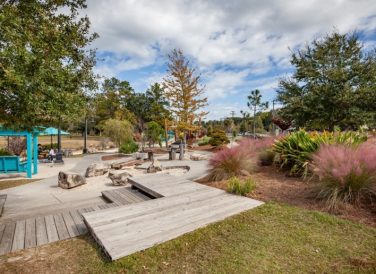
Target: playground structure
(13, 164)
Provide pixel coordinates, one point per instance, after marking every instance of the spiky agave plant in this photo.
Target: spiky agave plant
(295, 150)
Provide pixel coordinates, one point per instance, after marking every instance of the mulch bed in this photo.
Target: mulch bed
(113, 157)
(274, 185)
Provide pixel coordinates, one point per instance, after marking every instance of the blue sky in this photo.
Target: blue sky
(237, 45)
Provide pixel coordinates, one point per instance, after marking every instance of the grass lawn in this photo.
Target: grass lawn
(4, 184)
(271, 238)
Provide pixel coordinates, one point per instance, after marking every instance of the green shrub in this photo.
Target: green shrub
(267, 157)
(218, 137)
(204, 141)
(295, 150)
(4, 152)
(128, 147)
(236, 186)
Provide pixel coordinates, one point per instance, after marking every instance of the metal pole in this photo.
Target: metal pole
(85, 137)
(166, 132)
(59, 139)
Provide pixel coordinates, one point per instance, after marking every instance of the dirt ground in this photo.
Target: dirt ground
(275, 185)
(67, 142)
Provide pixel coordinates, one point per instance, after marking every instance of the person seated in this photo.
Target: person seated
(51, 154)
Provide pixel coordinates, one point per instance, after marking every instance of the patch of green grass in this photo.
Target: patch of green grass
(273, 238)
(4, 184)
(239, 187)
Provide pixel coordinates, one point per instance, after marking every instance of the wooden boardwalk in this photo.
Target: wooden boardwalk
(183, 206)
(44, 229)
(3, 198)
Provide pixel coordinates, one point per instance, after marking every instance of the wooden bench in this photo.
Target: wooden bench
(12, 164)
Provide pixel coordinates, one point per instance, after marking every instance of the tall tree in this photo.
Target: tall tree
(113, 101)
(158, 111)
(255, 104)
(183, 91)
(45, 64)
(334, 84)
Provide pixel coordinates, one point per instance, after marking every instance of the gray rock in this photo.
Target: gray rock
(119, 179)
(96, 170)
(244, 172)
(68, 180)
(154, 167)
(198, 157)
(141, 155)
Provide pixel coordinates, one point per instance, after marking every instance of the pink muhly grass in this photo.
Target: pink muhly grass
(347, 174)
(231, 162)
(227, 163)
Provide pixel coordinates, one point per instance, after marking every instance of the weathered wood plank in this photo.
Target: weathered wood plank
(7, 239)
(77, 217)
(2, 227)
(120, 212)
(168, 216)
(41, 232)
(52, 234)
(30, 235)
(71, 225)
(61, 228)
(131, 195)
(130, 246)
(139, 194)
(3, 198)
(19, 235)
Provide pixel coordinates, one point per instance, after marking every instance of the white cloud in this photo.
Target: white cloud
(220, 32)
(230, 41)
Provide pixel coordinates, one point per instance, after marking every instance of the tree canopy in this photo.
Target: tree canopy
(334, 84)
(183, 91)
(45, 63)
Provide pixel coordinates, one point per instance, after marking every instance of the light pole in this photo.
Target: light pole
(85, 137)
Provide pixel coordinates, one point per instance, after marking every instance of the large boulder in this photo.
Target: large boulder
(96, 170)
(154, 167)
(68, 180)
(119, 179)
(198, 157)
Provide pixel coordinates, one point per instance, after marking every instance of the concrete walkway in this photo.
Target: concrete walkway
(46, 195)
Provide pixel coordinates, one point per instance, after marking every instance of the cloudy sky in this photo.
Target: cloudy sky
(237, 45)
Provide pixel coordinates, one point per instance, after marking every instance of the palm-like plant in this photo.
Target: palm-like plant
(254, 103)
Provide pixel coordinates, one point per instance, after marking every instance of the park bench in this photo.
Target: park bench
(10, 164)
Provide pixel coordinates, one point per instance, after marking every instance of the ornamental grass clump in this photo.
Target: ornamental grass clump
(229, 162)
(347, 174)
(236, 186)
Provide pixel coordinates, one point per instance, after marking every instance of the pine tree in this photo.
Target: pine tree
(183, 91)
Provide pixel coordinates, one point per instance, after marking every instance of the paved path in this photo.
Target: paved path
(182, 206)
(46, 195)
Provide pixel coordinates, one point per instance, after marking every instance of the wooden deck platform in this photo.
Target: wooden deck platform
(3, 198)
(182, 207)
(44, 229)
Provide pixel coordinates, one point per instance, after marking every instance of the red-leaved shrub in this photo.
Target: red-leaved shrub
(347, 174)
(230, 162)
